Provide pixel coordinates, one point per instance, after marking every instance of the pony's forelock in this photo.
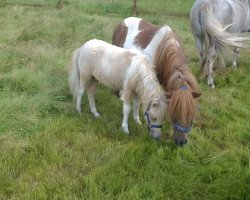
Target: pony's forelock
(147, 84)
(182, 107)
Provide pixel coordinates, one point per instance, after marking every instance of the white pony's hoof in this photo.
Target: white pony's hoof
(138, 122)
(125, 130)
(97, 115)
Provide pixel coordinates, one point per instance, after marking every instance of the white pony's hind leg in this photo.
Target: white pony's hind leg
(82, 87)
(79, 99)
(236, 55)
(91, 97)
(136, 105)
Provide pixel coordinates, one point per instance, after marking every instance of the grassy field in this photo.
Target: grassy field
(48, 151)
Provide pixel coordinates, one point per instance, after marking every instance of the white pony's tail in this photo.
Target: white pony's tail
(73, 73)
(216, 35)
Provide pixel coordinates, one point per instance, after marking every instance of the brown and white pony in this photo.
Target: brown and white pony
(163, 48)
(119, 69)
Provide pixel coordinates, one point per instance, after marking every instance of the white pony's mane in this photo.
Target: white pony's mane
(145, 81)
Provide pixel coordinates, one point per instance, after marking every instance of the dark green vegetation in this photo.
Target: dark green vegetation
(48, 151)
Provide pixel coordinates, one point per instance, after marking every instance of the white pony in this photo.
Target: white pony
(122, 70)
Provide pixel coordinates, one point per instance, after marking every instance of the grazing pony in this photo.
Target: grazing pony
(164, 50)
(219, 24)
(119, 69)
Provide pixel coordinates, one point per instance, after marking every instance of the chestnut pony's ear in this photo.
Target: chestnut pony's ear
(169, 95)
(196, 94)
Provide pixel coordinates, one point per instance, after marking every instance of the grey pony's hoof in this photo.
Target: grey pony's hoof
(211, 85)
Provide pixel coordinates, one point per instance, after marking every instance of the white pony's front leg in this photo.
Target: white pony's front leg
(136, 106)
(126, 111)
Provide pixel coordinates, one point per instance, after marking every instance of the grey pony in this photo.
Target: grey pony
(218, 25)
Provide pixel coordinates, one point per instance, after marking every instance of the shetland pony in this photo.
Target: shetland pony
(164, 50)
(119, 69)
(219, 24)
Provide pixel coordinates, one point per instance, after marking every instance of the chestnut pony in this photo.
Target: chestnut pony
(164, 50)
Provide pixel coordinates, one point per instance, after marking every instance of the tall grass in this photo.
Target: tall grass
(48, 151)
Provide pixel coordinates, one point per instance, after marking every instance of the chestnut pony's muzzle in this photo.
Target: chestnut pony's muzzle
(180, 134)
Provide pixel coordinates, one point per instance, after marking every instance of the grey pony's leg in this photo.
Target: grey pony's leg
(91, 96)
(236, 55)
(197, 31)
(210, 80)
(210, 58)
(199, 45)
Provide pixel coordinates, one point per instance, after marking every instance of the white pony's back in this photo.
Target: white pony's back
(109, 70)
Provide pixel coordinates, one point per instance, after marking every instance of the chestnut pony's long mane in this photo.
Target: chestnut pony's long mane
(174, 73)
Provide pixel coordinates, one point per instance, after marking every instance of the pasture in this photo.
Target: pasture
(48, 151)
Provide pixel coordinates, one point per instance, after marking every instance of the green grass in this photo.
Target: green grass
(48, 151)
